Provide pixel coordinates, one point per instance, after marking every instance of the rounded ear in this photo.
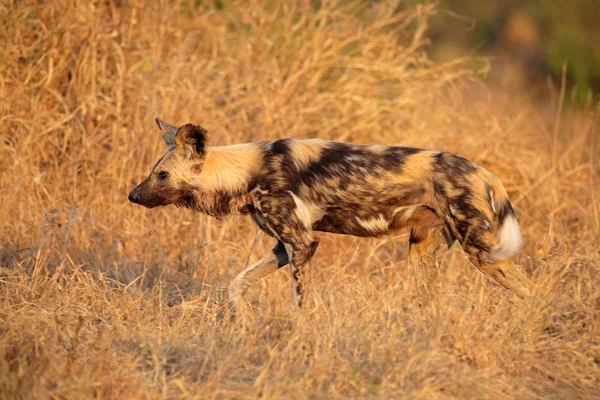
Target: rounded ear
(192, 140)
(168, 131)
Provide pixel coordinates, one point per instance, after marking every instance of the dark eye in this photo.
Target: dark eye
(163, 175)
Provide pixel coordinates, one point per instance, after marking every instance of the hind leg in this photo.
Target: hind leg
(426, 249)
(507, 274)
(479, 246)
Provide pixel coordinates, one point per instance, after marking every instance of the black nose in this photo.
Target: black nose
(133, 197)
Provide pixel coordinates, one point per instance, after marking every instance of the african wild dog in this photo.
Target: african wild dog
(292, 188)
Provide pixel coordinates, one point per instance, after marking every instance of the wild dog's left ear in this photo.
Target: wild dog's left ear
(192, 140)
(168, 131)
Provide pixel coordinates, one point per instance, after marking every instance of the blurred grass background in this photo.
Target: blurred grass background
(530, 40)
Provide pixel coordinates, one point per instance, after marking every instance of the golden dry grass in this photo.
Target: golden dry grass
(100, 298)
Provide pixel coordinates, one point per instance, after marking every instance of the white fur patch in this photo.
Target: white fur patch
(375, 224)
(308, 213)
(492, 202)
(509, 239)
(407, 211)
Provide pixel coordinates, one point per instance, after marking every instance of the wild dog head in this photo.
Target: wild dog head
(172, 177)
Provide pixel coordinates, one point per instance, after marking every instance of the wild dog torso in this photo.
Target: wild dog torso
(360, 190)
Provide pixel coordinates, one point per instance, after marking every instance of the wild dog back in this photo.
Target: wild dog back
(361, 190)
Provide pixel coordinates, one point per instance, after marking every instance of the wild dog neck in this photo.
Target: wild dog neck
(221, 188)
(228, 169)
(216, 204)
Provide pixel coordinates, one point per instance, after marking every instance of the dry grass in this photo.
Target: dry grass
(103, 299)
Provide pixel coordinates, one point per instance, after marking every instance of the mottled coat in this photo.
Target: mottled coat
(293, 188)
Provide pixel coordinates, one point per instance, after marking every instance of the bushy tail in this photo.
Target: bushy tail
(477, 210)
(509, 239)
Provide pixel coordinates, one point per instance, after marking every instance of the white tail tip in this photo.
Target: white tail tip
(509, 239)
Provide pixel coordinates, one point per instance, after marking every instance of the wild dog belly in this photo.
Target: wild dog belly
(347, 223)
(357, 221)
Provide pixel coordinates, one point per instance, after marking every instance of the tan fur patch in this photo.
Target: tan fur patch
(417, 168)
(317, 187)
(378, 148)
(307, 151)
(179, 169)
(228, 168)
(477, 183)
(424, 219)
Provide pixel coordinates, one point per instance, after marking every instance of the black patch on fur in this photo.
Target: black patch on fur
(281, 254)
(346, 162)
(414, 238)
(394, 158)
(329, 223)
(214, 204)
(340, 220)
(353, 162)
(470, 223)
(453, 166)
(195, 135)
(312, 248)
(504, 211)
(447, 232)
(439, 189)
(333, 162)
(410, 195)
(278, 161)
(281, 146)
(464, 203)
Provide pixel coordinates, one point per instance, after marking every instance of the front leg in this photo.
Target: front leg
(281, 214)
(276, 259)
(301, 255)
